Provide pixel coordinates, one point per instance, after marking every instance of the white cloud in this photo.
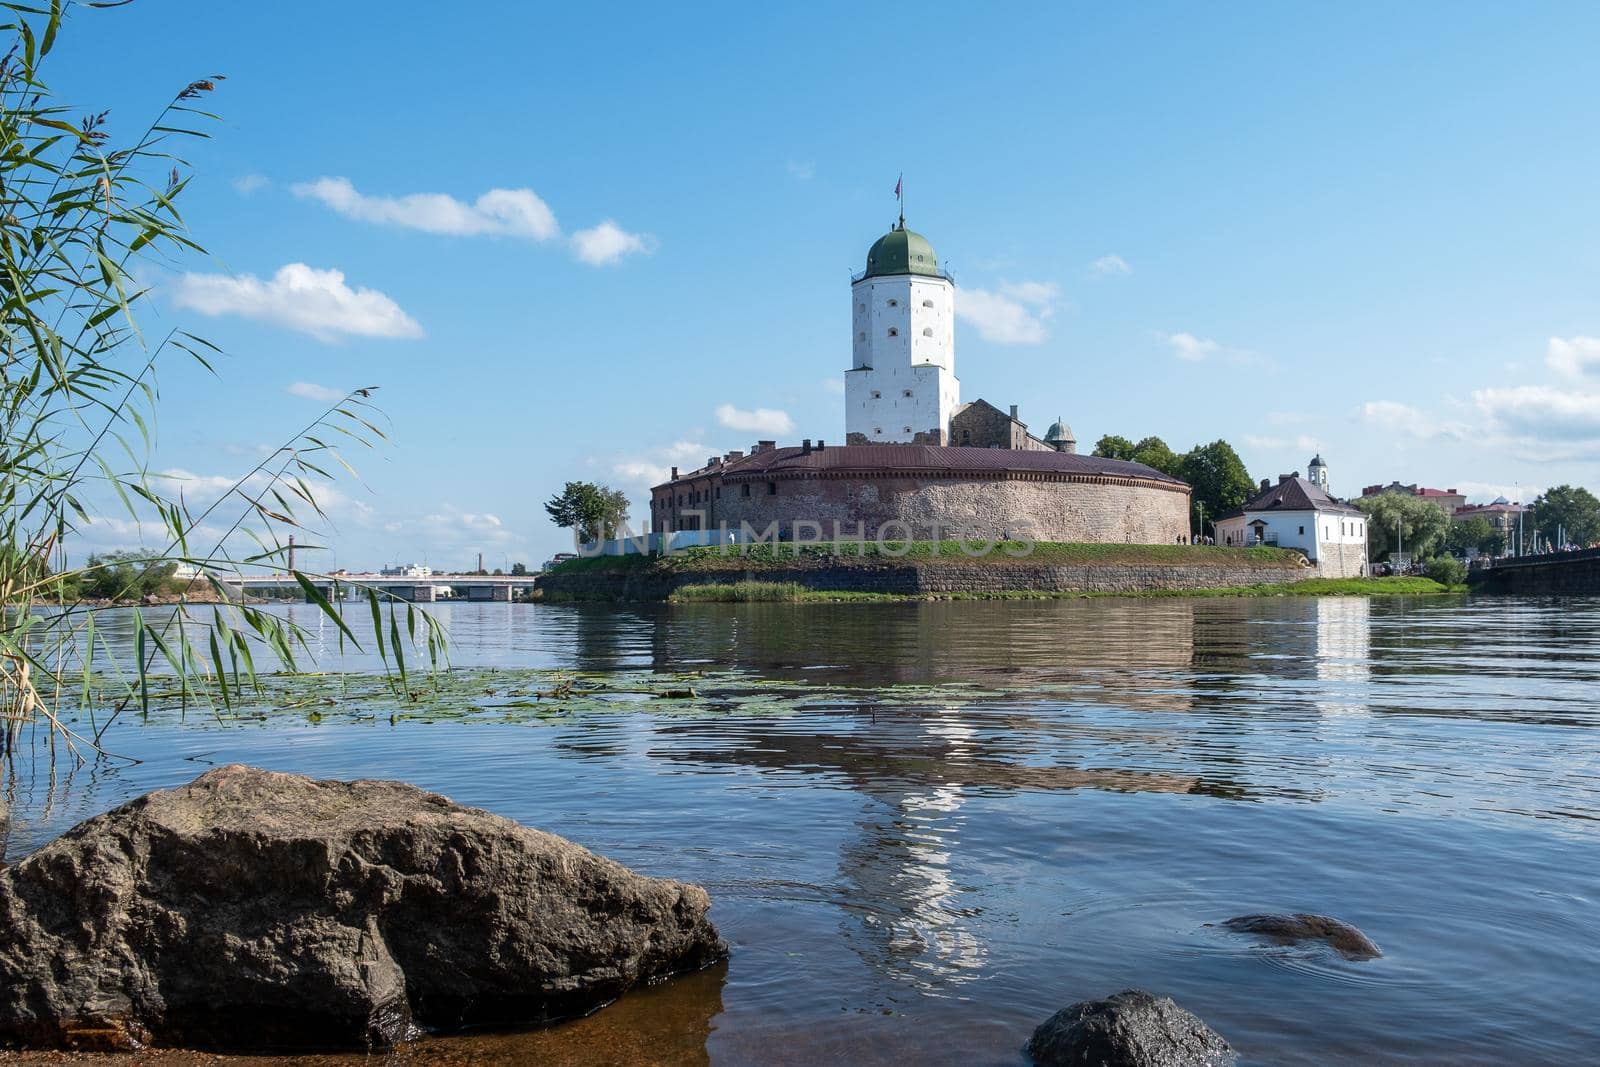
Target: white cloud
(759, 420)
(246, 184)
(1541, 412)
(498, 212)
(1300, 443)
(1107, 266)
(655, 466)
(833, 385)
(1013, 316)
(1186, 346)
(451, 537)
(1574, 357)
(1404, 420)
(802, 171)
(606, 243)
(312, 391)
(301, 298)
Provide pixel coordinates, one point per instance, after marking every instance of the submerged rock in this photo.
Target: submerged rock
(1350, 943)
(250, 909)
(1131, 1029)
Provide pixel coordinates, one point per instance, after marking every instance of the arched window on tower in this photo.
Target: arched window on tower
(927, 331)
(893, 332)
(927, 303)
(894, 303)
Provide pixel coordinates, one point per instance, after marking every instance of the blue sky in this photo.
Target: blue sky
(1366, 229)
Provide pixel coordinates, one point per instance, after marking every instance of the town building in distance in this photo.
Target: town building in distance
(916, 461)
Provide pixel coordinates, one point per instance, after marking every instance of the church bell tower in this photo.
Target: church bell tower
(901, 387)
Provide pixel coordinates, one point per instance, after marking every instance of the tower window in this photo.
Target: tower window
(893, 332)
(927, 331)
(877, 395)
(906, 430)
(862, 336)
(927, 303)
(894, 303)
(908, 392)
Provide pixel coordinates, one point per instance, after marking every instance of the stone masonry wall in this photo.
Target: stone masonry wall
(932, 577)
(1044, 510)
(1341, 561)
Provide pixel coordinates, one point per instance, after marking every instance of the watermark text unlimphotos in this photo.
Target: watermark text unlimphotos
(892, 539)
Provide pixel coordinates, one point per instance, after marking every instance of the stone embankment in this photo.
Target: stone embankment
(251, 910)
(928, 577)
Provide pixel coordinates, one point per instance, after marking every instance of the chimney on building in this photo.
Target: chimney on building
(674, 473)
(805, 447)
(766, 446)
(735, 454)
(1013, 411)
(819, 444)
(1284, 478)
(1265, 485)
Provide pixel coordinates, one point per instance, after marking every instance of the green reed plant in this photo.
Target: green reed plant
(82, 210)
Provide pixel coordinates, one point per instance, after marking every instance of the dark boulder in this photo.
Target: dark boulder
(1131, 1029)
(254, 910)
(1349, 942)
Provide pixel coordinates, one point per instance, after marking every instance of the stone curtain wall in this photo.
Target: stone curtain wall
(932, 577)
(1043, 510)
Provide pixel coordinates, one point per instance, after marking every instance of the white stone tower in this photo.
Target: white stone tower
(901, 386)
(1317, 473)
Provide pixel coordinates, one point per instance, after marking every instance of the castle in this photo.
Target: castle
(916, 460)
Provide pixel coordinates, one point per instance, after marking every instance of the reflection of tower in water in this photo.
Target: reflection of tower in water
(901, 866)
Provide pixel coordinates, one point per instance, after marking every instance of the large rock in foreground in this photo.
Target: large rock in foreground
(1131, 1029)
(250, 909)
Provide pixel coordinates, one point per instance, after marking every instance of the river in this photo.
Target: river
(1058, 801)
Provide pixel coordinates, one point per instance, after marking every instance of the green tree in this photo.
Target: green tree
(1153, 452)
(126, 575)
(1566, 511)
(1400, 520)
(1447, 570)
(593, 512)
(1218, 480)
(1474, 534)
(1113, 447)
(519, 570)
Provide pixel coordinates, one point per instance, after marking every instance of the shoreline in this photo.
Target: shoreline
(872, 572)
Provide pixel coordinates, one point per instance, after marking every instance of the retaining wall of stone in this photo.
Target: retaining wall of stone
(932, 577)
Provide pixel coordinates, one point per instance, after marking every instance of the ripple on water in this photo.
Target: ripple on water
(973, 814)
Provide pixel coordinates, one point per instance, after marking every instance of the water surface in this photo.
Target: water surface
(1083, 787)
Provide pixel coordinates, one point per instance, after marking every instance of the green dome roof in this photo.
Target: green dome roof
(901, 251)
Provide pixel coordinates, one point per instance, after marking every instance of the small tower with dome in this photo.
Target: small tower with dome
(1317, 472)
(1059, 437)
(901, 387)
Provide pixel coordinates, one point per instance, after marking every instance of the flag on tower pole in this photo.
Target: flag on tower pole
(897, 182)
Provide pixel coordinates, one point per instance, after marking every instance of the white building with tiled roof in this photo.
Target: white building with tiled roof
(1297, 513)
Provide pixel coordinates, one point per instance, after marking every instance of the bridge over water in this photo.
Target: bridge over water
(501, 587)
(1555, 573)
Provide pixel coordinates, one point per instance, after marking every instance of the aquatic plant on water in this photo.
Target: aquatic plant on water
(85, 212)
